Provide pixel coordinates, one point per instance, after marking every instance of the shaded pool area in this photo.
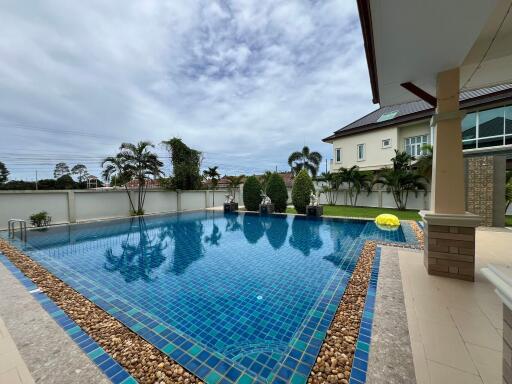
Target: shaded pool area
(231, 297)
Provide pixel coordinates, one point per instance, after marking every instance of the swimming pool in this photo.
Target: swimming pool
(233, 297)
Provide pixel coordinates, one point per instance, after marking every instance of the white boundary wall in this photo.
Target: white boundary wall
(71, 206)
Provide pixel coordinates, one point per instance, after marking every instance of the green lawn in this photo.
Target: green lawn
(343, 210)
(508, 221)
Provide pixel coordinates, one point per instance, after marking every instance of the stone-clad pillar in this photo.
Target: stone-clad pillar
(449, 229)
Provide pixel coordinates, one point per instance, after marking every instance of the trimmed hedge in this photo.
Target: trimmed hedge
(301, 191)
(276, 190)
(252, 193)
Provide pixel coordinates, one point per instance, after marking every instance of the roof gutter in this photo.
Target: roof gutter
(365, 17)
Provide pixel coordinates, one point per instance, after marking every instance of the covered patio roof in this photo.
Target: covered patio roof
(408, 43)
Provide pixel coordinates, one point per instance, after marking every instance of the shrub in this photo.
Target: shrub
(276, 190)
(301, 191)
(40, 219)
(252, 193)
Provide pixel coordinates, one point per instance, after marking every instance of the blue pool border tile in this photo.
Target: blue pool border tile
(363, 343)
(106, 363)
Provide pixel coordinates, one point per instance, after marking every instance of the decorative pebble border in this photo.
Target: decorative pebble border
(336, 357)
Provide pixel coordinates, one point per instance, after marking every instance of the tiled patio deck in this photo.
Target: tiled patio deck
(455, 326)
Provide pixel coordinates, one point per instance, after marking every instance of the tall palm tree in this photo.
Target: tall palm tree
(401, 179)
(113, 167)
(356, 182)
(211, 174)
(137, 162)
(305, 159)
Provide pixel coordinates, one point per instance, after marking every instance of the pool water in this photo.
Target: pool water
(231, 297)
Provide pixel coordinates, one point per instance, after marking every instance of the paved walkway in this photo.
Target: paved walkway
(13, 369)
(26, 329)
(455, 326)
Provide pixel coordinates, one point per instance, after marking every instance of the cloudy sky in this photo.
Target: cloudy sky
(246, 82)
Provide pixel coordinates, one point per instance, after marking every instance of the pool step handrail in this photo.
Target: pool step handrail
(12, 228)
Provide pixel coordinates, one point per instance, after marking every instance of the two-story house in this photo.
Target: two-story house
(370, 141)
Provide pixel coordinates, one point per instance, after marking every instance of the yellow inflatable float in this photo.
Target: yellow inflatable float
(387, 221)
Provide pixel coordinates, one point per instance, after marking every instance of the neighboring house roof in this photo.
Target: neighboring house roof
(224, 181)
(150, 183)
(419, 110)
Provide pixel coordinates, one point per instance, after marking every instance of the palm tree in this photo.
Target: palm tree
(401, 179)
(331, 186)
(113, 167)
(305, 159)
(234, 182)
(424, 163)
(213, 176)
(135, 162)
(356, 182)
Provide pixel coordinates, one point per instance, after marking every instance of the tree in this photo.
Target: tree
(305, 159)
(234, 182)
(276, 190)
(211, 174)
(81, 171)
(64, 182)
(114, 169)
(330, 188)
(252, 193)
(356, 181)
(61, 169)
(137, 162)
(401, 179)
(185, 164)
(4, 173)
(301, 191)
(424, 162)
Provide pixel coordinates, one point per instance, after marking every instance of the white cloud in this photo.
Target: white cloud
(246, 82)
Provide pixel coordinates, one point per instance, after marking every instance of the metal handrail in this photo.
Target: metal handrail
(11, 224)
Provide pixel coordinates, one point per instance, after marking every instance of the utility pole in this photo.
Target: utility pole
(326, 165)
(36, 181)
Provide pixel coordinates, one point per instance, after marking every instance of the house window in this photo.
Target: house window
(387, 116)
(360, 152)
(413, 145)
(386, 143)
(487, 128)
(337, 155)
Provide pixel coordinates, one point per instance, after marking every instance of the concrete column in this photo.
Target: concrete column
(206, 198)
(380, 198)
(178, 200)
(71, 207)
(448, 162)
(449, 229)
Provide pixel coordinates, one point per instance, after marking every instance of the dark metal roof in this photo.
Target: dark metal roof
(418, 110)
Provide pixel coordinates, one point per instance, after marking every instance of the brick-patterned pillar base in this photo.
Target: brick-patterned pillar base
(450, 245)
(507, 345)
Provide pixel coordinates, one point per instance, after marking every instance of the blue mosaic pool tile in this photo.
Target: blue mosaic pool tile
(111, 368)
